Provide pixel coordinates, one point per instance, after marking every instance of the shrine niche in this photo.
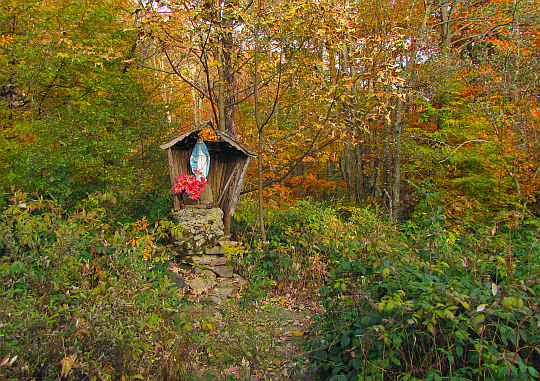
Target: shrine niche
(207, 154)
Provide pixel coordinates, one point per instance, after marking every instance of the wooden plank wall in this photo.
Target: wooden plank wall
(223, 165)
(178, 164)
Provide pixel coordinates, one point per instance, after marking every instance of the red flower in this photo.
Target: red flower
(190, 185)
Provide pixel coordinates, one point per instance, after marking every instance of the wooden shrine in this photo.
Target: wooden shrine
(229, 162)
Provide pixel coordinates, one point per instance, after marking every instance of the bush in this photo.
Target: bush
(457, 305)
(420, 319)
(78, 299)
(308, 239)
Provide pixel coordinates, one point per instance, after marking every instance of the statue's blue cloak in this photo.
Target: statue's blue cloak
(193, 161)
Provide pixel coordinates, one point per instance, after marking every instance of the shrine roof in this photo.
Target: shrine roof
(222, 138)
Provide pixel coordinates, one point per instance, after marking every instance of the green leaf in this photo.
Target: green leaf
(356, 363)
(533, 372)
(479, 319)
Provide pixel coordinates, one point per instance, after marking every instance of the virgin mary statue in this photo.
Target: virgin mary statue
(200, 159)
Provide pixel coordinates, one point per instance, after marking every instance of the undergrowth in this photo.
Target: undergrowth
(79, 300)
(452, 302)
(84, 297)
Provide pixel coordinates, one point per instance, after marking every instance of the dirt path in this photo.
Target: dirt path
(260, 340)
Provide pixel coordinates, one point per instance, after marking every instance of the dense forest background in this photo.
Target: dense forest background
(397, 179)
(365, 101)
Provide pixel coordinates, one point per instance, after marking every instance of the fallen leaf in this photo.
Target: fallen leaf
(7, 361)
(295, 333)
(67, 364)
(494, 289)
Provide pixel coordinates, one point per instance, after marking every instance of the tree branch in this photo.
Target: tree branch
(462, 144)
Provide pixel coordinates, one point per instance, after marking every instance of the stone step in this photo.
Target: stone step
(204, 259)
(216, 250)
(224, 271)
(219, 261)
(216, 283)
(225, 238)
(228, 243)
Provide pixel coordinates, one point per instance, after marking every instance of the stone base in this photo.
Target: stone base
(202, 229)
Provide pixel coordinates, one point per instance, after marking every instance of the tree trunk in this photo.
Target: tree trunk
(358, 153)
(226, 87)
(260, 129)
(395, 193)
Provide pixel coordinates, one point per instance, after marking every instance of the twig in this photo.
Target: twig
(462, 144)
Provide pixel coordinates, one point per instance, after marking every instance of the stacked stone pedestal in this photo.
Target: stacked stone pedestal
(202, 229)
(201, 248)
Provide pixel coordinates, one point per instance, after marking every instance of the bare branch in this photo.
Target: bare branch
(467, 142)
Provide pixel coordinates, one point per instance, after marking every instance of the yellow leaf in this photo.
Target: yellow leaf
(507, 303)
(295, 333)
(67, 364)
(5, 361)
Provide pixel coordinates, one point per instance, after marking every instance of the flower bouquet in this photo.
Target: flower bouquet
(190, 184)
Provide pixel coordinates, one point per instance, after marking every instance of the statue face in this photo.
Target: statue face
(199, 139)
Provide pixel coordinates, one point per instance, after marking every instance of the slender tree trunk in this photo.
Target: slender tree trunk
(358, 153)
(260, 130)
(226, 99)
(446, 35)
(218, 53)
(398, 123)
(347, 170)
(396, 183)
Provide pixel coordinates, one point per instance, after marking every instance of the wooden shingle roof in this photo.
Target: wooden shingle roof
(221, 136)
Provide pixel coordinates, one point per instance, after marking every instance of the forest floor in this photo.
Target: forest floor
(256, 340)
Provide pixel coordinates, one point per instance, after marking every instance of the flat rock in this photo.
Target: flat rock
(241, 281)
(216, 250)
(204, 259)
(176, 278)
(223, 292)
(226, 241)
(216, 300)
(201, 284)
(225, 271)
(219, 261)
(208, 274)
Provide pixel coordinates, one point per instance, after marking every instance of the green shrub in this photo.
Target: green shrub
(79, 301)
(418, 319)
(308, 239)
(457, 304)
